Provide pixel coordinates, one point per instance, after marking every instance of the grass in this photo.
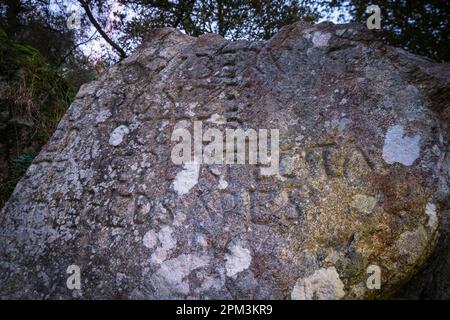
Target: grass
(33, 98)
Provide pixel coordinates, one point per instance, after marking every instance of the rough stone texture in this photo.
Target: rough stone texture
(364, 174)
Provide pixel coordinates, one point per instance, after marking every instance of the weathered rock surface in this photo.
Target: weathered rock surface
(364, 174)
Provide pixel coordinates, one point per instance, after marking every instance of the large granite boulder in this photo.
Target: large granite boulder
(359, 188)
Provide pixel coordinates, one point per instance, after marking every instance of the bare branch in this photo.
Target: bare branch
(97, 26)
(74, 48)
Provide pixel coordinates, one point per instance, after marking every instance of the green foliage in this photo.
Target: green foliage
(37, 91)
(33, 98)
(22, 162)
(420, 27)
(232, 19)
(18, 167)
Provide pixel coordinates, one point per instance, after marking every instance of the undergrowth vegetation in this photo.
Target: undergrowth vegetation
(33, 98)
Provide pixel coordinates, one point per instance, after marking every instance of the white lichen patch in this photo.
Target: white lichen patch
(323, 284)
(192, 107)
(182, 124)
(150, 239)
(343, 101)
(223, 184)
(214, 170)
(167, 243)
(307, 33)
(187, 178)
(102, 116)
(400, 148)
(173, 272)
(201, 240)
(282, 199)
(239, 260)
(179, 219)
(118, 134)
(320, 39)
(363, 203)
(88, 89)
(340, 32)
(217, 119)
(430, 211)
(340, 123)
(162, 125)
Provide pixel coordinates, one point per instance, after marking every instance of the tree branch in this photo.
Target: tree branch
(97, 26)
(74, 48)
